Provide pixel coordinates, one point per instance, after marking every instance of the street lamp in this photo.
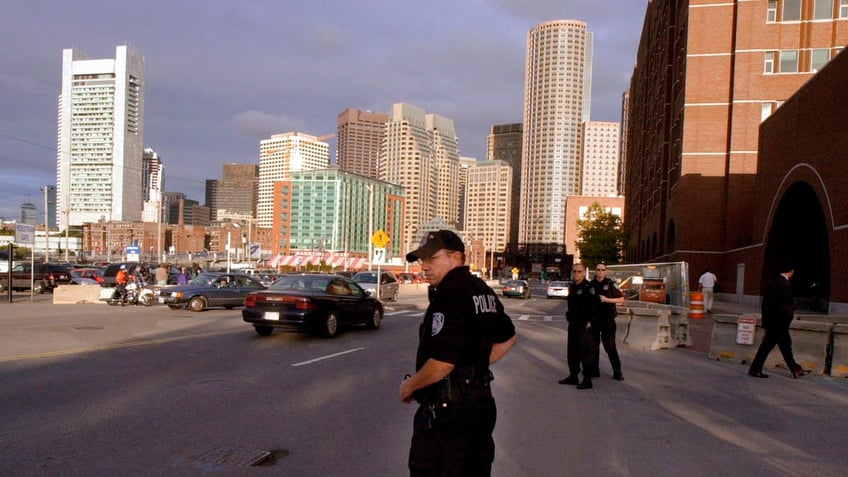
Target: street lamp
(47, 189)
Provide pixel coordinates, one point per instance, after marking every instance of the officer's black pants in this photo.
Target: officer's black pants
(456, 442)
(604, 332)
(579, 350)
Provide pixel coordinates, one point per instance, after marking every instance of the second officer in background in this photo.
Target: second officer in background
(603, 330)
(582, 302)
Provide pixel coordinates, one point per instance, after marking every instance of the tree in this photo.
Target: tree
(600, 236)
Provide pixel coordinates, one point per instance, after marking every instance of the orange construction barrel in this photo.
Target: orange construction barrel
(696, 305)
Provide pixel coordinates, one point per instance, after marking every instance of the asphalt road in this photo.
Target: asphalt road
(97, 390)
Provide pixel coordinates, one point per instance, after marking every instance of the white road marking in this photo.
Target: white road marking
(327, 357)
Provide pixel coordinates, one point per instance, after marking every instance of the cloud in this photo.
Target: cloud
(259, 125)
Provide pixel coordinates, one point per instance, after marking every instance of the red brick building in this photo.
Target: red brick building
(708, 74)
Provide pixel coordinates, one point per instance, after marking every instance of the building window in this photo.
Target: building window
(766, 111)
(769, 65)
(843, 8)
(771, 11)
(791, 10)
(823, 10)
(789, 61)
(819, 58)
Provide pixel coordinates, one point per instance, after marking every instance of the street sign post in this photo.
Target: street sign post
(380, 239)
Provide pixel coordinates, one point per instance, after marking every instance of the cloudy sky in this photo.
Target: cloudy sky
(221, 75)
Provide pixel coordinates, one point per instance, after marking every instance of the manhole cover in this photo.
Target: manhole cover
(234, 456)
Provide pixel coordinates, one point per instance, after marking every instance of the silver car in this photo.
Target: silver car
(388, 284)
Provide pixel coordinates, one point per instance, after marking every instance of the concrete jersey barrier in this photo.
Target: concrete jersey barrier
(839, 358)
(814, 343)
(77, 294)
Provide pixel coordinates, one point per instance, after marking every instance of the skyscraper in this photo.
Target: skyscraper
(236, 192)
(487, 209)
(152, 186)
(554, 97)
(421, 153)
(360, 137)
(504, 144)
(279, 156)
(600, 158)
(101, 138)
(448, 185)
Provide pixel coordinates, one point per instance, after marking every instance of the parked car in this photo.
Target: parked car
(44, 277)
(558, 289)
(388, 284)
(210, 289)
(312, 302)
(265, 278)
(519, 288)
(95, 274)
(112, 269)
(405, 278)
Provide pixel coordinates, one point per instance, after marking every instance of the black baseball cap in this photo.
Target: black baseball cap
(435, 241)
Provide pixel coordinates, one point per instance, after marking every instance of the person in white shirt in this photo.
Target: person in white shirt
(706, 285)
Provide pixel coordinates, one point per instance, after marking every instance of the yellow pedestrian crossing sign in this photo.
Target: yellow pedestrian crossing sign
(380, 239)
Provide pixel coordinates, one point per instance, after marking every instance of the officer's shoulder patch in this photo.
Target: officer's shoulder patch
(438, 323)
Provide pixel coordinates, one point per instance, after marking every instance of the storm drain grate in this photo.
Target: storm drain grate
(234, 456)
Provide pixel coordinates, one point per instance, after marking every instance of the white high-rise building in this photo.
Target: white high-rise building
(101, 138)
(600, 158)
(421, 153)
(554, 97)
(281, 155)
(487, 203)
(152, 185)
(448, 185)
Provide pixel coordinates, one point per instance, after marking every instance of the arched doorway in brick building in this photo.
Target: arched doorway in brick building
(799, 234)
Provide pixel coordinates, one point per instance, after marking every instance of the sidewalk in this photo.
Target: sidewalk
(701, 330)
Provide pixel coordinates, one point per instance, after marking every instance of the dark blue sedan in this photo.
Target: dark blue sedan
(210, 289)
(311, 302)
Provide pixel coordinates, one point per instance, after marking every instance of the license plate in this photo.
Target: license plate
(272, 315)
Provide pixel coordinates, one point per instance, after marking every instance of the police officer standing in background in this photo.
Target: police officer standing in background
(580, 315)
(603, 330)
(464, 330)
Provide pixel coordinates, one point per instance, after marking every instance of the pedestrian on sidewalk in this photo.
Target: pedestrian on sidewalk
(603, 329)
(582, 302)
(706, 285)
(777, 311)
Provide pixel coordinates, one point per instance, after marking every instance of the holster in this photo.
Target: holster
(461, 383)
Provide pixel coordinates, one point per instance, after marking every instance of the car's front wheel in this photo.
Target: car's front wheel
(263, 330)
(331, 325)
(375, 320)
(197, 303)
(38, 287)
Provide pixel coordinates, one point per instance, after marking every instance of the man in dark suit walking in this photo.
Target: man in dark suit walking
(777, 311)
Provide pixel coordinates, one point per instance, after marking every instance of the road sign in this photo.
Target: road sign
(380, 239)
(379, 255)
(133, 253)
(24, 234)
(746, 328)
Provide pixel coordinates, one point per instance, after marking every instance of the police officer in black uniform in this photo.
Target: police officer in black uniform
(582, 302)
(464, 330)
(603, 330)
